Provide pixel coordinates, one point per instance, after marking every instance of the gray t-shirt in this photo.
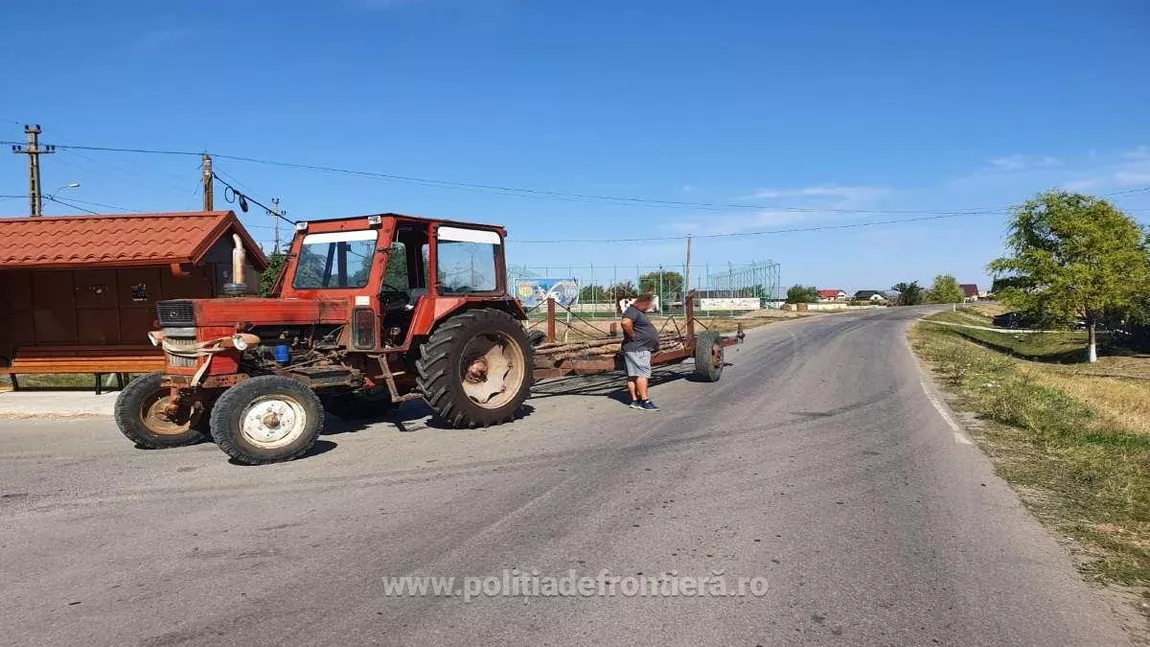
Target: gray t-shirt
(646, 337)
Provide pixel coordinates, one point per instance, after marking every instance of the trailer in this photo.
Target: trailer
(603, 353)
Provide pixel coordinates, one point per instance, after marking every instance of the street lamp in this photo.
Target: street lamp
(73, 185)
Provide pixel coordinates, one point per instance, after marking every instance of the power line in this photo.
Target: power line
(853, 225)
(106, 206)
(521, 191)
(69, 204)
(243, 196)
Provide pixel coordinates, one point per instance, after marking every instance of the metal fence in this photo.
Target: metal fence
(719, 289)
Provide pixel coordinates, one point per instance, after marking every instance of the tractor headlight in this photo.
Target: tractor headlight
(239, 342)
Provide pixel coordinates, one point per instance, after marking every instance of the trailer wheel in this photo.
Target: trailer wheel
(708, 357)
(140, 415)
(359, 405)
(267, 419)
(476, 369)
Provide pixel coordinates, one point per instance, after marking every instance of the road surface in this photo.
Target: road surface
(817, 463)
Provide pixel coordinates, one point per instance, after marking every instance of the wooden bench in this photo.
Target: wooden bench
(79, 360)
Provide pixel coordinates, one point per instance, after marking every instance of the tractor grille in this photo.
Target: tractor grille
(182, 342)
(176, 314)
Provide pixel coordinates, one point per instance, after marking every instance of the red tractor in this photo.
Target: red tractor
(370, 311)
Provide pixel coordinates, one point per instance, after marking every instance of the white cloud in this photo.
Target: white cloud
(849, 193)
(1023, 162)
(689, 188)
(1139, 153)
(1132, 177)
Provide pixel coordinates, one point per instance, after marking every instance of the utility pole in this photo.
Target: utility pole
(33, 151)
(209, 195)
(687, 273)
(276, 223)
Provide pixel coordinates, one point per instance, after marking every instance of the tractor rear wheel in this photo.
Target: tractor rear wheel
(708, 357)
(141, 414)
(476, 369)
(267, 419)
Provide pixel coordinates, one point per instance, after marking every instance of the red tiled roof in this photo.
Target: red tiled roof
(830, 294)
(969, 289)
(116, 241)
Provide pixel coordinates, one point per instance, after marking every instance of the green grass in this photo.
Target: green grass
(1067, 347)
(1080, 467)
(56, 381)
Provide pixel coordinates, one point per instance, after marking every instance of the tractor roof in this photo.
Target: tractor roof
(438, 221)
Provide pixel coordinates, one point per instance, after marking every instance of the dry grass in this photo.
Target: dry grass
(1075, 446)
(1120, 403)
(988, 310)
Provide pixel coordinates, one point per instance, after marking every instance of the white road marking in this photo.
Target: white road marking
(959, 436)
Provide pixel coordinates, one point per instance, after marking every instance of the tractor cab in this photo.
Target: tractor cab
(382, 267)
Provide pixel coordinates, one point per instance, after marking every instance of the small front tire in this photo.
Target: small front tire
(267, 419)
(138, 413)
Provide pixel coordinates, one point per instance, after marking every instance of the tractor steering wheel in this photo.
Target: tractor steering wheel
(388, 290)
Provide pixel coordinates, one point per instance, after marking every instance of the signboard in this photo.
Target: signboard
(626, 303)
(730, 303)
(533, 292)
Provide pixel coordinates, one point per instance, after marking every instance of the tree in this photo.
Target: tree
(268, 277)
(909, 294)
(945, 290)
(622, 290)
(591, 293)
(1004, 283)
(1078, 257)
(802, 294)
(662, 282)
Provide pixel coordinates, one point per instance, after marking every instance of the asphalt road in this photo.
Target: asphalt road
(818, 463)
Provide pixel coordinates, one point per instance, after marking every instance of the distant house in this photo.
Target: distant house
(826, 296)
(970, 292)
(874, 296)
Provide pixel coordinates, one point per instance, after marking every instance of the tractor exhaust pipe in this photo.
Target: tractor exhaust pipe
(237, 288)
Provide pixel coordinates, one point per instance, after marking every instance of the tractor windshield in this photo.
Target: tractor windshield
(335, 260)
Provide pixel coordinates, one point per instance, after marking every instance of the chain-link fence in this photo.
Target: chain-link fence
(595, 290)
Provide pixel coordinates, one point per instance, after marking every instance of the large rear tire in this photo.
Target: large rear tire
(267, 419)
(139, 413)
(476, 369)
(708, 357)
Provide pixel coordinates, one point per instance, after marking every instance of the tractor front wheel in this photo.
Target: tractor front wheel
(476, 369)
(267, 419)
(141, 414)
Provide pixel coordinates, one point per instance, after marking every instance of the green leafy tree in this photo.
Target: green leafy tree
(945, 290)
(802, 294)
(662, 282)
(622, 290)
(1077, 257)
(268, 278)
(1004, 283)
(592, 293)
(909, 294)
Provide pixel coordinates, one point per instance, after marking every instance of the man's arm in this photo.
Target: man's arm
(628, 328)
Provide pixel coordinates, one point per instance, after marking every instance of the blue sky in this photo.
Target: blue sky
(828, 107)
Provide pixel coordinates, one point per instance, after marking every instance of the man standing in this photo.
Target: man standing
(640, 339)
